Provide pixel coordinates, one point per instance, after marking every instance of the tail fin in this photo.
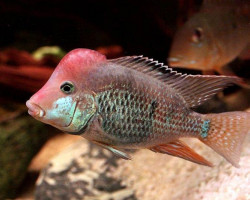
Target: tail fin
(226, 134)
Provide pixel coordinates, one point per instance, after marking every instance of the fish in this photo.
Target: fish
(213, 37)
(134, 102)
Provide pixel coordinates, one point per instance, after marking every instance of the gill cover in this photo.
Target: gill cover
(86, 108)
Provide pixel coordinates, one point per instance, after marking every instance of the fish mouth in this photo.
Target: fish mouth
(179, 61)
(38, 113)
(174, 61)
(35, 110)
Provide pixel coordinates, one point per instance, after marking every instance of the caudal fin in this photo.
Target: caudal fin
(226, 133)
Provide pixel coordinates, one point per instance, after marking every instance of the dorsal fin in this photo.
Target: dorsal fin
(195, 89)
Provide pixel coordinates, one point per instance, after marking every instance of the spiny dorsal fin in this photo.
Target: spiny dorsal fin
(195, 89)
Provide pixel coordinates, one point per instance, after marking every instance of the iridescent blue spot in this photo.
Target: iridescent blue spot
(168, 119)
(205, 128)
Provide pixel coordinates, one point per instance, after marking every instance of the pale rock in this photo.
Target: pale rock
(87, 172)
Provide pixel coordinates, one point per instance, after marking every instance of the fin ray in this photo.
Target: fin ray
(226, 134)
(114, 150)
(181, 150)
(195, 89)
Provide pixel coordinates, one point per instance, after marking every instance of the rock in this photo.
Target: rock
(20, 139)
(125, 194)
(50, 149)
(156, 176)
(82, 171)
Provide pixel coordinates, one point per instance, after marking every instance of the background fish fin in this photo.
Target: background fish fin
(181, 150)
(116, 151)
(195, 89)
(226, 134)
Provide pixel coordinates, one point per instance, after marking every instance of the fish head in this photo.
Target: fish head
(66, 101)
(191, 46)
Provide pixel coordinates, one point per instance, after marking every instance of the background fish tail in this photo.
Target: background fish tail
(226, 133)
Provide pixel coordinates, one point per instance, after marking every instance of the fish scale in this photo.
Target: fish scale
(133, 121)
(134, 115)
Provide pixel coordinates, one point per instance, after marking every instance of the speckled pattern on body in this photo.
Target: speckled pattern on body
(133, 116)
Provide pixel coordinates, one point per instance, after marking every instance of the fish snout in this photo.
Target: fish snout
(34, 110)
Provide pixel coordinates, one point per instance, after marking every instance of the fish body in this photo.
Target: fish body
(135, 115)
(213, 37)
(134, 102)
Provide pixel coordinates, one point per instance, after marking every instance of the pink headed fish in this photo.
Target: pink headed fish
(213, 37)
(134, 102)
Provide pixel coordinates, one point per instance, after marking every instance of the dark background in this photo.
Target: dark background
(140, 27)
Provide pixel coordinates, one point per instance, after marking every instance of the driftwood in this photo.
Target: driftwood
(19, 70)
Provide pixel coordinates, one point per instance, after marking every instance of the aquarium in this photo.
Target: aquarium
(125, 100)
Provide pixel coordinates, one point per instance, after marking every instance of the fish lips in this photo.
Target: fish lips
(180, 62)
(174, 61)
(35, 110)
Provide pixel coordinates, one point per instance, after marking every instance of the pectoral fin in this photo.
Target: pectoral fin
(180, 149)
(116, 151)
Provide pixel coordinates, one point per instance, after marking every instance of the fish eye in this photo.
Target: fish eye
(197, 35)
(67, 87)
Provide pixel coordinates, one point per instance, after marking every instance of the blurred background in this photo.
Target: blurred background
(35, 35)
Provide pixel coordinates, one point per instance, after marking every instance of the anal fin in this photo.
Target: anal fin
(181, 150)
(114, 150)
